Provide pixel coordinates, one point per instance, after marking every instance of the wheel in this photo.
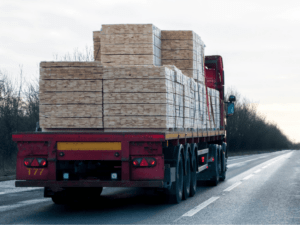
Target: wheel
(87, 194)
(223, 173)
(60, 200)
(215, 180)
(223, 157)
(175, 193)
(193, 176)
(187, 177)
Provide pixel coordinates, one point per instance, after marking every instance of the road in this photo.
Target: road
(259, 189)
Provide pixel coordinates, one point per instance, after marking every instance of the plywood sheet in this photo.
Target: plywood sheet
(115, 60)
(176, 34)
(70, 85)
(137, 72)
(177, 54)
(177, 44)
(128, 49)
(138, 85)
(70, 73)
(71, 97)
(71, 122)
(138, 122)
(75, 110)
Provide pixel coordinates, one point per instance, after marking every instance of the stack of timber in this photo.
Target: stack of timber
(127, 89)
(142, 97)
(71, 95)
(185, 50)
(128, 44)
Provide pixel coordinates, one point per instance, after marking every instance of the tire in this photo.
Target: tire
(223, 156)
(82, 195)
(217, 166)
(223, 173)
(193, 176)
(176, 191)
(187, 177)
(61, 200)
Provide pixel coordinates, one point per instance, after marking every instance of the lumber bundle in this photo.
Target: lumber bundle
(128, 44)
(71, 95)
(126, 88)
(185, 50)
(141, 97)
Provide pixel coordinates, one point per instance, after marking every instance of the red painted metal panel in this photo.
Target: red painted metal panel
(32, 148)
(88, 155)
(148, 173)
(145, 148)
(125, 161)
(25, 173)
(210, 78)
(89, 183)
(89, 137)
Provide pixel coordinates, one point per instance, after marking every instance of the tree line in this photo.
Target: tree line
(248, 130)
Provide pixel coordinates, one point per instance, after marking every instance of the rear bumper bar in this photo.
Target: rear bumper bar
(90, 183)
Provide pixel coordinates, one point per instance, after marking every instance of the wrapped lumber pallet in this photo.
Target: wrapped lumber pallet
(193, 99)
(142, 97)
(185, 50)
(70, 95)
(128, 44)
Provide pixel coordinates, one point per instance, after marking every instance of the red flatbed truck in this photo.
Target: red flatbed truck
(69, 164)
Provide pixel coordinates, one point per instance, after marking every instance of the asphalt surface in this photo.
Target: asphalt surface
(259, 189)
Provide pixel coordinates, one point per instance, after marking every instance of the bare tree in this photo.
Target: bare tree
(18, 112)
(77, 55)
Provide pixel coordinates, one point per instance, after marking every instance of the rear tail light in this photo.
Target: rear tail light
(144, 162)
(28, 161)
(211, 159)
(35, 162)
(42, 162)
(202, 159)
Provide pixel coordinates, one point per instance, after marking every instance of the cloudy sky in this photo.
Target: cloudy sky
(258, 40)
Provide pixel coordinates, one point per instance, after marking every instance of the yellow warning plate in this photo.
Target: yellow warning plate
(89, 146)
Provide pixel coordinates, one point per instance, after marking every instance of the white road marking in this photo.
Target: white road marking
(23, 203)
(200, 207)
(247, 177)
(17, 190)
(233, 186)
(265, 166)
(8, 187)
(247, 157)
(257, 171)
(240, 163)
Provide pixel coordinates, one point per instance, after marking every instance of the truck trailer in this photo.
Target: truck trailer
(71, 165)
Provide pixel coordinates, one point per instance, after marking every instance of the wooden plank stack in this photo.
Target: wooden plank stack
(185, 50)
(71, 95)
(138, 97)
(126, 88)
(129, 44)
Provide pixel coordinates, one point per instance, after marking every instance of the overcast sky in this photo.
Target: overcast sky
(258, 40)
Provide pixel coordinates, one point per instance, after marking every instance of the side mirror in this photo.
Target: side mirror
(230, 109)
(231, 98)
